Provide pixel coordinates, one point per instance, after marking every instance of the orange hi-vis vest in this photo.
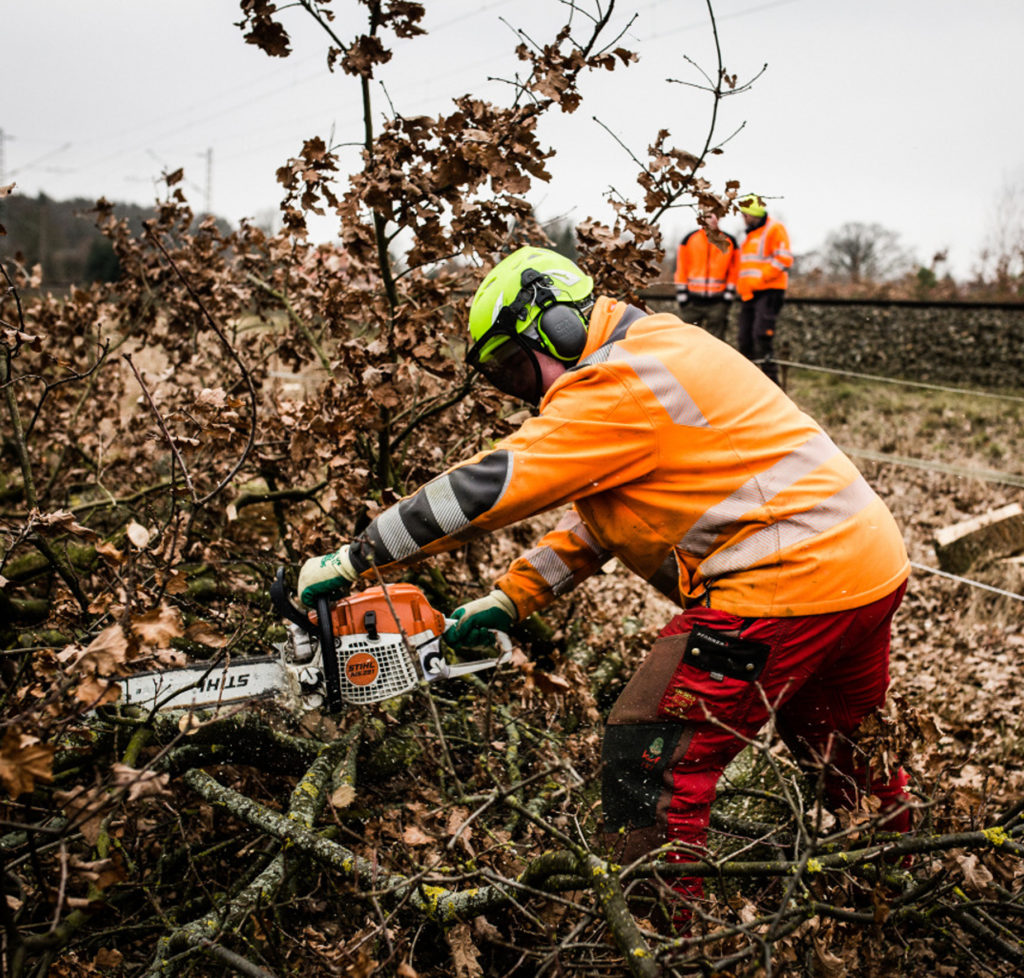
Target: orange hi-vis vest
(764, 259)
(705, 270)
(672, 448)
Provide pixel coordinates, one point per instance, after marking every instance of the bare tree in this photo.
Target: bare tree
(859, 252)
(1001, 261)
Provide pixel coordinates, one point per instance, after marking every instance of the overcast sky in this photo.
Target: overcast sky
(901, 112)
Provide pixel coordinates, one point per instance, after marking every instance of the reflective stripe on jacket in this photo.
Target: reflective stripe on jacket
(666, 441)
(702, 268)
(764, 259)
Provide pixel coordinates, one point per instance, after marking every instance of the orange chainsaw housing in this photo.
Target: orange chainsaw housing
(415, 615)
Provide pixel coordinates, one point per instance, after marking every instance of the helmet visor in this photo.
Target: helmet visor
(509, 365)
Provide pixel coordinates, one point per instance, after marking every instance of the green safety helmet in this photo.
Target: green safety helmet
(535, 300)
(753, 205)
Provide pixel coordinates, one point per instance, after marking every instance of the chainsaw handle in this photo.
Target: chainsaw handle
(501, 639)
(284, 607)
(324, 632)
(328, 654)
(434, 666)
(453, 670)
(504, 642)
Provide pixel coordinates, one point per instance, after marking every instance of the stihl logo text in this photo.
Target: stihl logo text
(213, 683)
(361, 669)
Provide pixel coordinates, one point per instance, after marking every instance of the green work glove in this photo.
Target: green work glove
(477, 619)
(326, 576)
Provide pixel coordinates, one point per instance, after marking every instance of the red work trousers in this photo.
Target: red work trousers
(663, 756)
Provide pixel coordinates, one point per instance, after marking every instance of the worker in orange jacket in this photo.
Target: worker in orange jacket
(678, 456)
(705, 277)
(765, 259)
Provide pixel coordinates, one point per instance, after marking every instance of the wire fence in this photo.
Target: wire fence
(969, 472)
(973, 391)
(967, 580)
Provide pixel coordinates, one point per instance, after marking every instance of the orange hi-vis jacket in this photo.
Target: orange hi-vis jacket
(669, 444)
(705, 270)
(764, 259)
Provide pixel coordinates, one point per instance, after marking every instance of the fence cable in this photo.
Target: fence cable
(987, 475)
(905, 383)
(967, 580)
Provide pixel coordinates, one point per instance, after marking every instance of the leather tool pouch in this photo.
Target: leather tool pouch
(720, 654)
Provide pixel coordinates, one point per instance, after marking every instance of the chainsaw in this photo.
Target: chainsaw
(371, 646)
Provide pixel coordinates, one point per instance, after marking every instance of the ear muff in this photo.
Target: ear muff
(563, 331)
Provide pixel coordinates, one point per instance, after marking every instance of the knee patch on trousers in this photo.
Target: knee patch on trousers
(634, 759)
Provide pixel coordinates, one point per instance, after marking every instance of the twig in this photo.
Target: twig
(411, 653)
(59, 902)
(233, 353)
(104, 346)
(277, 495)
(20, 444)
(307, 800)
(242, 965)
(630, 942)
(439, 903)
(163, 427)
(293, 316)
(437, 408)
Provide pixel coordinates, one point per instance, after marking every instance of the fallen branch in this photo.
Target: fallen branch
(307, 801)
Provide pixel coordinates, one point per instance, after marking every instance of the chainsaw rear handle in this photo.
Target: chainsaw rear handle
(434, 666)
(501, 639)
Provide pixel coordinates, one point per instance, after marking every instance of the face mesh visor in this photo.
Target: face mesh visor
(511, 367)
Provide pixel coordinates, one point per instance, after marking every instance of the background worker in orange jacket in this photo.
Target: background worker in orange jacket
(677, 455)
(764, 262)
(705, 277)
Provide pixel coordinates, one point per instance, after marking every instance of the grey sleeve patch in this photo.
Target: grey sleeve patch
(479, 487)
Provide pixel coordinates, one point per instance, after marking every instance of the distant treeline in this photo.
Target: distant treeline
(60, 236)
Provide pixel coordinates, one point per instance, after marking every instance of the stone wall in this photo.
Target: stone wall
(955, 344)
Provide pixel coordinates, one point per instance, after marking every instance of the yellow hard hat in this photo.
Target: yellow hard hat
(753, 205)
(534, 301)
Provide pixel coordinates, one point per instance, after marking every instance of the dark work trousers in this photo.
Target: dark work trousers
(690, 709)
(709, 314)
(757, 328)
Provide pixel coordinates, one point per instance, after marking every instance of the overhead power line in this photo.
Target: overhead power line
(270, 89)
(38, 159)
(694, 25)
